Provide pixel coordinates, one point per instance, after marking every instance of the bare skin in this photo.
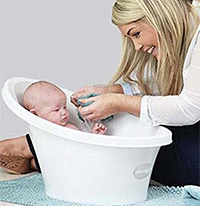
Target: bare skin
(51, 105)
(95, 89)
(116, 101)
(17, 147)
(143, 36)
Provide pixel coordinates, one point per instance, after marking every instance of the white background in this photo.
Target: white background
(71, 43)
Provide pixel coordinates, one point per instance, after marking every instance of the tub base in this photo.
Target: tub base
(93, 174)
(107, 201)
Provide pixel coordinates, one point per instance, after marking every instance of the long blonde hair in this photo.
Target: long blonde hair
(171, 19)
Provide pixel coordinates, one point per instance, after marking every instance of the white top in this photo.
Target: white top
(175, 110)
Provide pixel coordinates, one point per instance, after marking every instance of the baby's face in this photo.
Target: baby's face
(55, 110)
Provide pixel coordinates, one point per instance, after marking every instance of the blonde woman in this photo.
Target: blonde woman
(160, 67)
(159, 73)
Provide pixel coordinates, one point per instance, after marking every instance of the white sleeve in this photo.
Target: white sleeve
(133, 89)
(129, 89)
(126, 88)
(177, 110)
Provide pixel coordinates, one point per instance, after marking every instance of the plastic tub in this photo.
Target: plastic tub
(88, 168)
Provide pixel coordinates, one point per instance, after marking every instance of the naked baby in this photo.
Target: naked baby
(47, 101)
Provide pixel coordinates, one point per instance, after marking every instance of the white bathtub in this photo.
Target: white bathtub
(89, 168)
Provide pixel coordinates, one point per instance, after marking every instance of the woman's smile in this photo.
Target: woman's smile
(143, 36)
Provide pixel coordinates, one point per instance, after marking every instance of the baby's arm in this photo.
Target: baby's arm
(99, 128)
(71, 126)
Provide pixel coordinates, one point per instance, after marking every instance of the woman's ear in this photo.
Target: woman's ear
(33, 111)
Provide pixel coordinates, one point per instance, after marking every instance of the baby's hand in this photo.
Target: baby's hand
(99, 128)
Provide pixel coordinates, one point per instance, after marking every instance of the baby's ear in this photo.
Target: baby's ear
(33, 111)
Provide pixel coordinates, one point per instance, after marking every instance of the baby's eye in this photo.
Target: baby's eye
(136, 34)
(64, 107)
(56, 110)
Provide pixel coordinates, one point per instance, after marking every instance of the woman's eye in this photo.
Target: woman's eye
(136, 34)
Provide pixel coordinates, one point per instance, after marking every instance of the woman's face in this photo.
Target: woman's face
(143, 36)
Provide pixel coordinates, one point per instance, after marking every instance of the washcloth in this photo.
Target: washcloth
(191, 194)
(88, 103)
(31, 191)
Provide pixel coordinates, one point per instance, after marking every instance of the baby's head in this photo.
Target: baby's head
(47, 101)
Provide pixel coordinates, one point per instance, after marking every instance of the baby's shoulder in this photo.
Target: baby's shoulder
(72, 126)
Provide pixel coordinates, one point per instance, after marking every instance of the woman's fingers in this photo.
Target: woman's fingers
(87, 113)
(73, 100)
(84, 111)
(79, 93)
(86, 100)
(100, 107)
(86, 91)
(91, 117)
(103, 106)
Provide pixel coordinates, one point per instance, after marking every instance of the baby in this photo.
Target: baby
(47, 101)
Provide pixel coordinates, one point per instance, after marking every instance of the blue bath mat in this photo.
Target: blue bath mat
(30, 191)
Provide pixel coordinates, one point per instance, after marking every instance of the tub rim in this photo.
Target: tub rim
(96, 139)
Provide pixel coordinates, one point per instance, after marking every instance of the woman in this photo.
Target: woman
(160, 68)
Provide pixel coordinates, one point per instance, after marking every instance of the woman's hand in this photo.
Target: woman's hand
(108, 104)
(103, 106)
(95, 89)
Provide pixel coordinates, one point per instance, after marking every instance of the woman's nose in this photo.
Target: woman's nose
(137, 45)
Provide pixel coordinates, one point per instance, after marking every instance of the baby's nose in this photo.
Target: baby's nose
(63, 111)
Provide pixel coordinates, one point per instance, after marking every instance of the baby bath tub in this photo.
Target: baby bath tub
(82, 167)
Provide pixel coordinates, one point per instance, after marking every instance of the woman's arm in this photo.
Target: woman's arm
(116, 88)
(131, 104)
(108, 104)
